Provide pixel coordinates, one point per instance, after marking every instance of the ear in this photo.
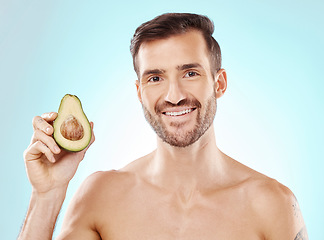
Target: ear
(138, 89)
(220, 83)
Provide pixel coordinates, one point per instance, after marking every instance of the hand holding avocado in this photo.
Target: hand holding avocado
(49, 167)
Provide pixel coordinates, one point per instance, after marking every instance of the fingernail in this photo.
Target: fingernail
(48, 129)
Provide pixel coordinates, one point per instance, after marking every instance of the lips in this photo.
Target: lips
(178, 112)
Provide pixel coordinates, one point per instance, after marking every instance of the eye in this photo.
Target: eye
(191, 74)
(154, 79)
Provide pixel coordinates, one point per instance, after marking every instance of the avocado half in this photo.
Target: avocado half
(72, 130)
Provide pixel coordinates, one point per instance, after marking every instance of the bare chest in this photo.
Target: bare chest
(145, 215)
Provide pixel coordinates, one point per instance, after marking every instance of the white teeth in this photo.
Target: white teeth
(178, 113)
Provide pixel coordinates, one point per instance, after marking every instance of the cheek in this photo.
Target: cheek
(150, 97)
(201, 91)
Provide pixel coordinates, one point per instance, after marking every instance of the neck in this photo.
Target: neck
(192, 167)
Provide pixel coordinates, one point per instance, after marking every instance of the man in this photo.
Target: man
(185, 189)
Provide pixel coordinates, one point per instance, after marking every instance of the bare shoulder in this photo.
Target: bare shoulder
(84, 213)
(266, 189)
(265, 194)
(260, 188)
(275, 208)
(101, 185)
(107, 183)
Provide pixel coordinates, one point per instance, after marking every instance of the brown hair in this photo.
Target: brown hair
(169, 24)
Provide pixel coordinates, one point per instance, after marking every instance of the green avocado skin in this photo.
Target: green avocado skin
(71, 106)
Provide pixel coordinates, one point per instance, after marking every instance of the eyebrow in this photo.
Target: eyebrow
(188, 66)
(153, 71)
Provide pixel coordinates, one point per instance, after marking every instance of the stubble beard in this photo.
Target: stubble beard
(179, 138)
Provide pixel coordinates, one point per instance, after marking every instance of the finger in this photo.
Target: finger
(50, 116)
(47, 140)
(35, 151)
(40, 123)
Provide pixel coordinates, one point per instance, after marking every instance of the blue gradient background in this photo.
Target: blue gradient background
(271, 117)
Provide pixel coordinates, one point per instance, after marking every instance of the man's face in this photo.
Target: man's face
(176, 87)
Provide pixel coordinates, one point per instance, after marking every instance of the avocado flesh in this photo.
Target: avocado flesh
(72, 130)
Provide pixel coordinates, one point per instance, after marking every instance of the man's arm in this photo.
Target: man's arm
(49, 170)
(302, 234)
(41, 215)
(83, 213)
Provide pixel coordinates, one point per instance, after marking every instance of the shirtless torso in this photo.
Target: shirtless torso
(133, 203)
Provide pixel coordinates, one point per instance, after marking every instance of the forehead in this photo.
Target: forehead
(173, 51)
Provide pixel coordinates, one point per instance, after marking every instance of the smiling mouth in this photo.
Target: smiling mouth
(179, 113)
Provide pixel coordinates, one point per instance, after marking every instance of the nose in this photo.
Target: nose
(175, 93)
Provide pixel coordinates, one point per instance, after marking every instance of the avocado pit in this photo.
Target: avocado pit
(72, 129)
